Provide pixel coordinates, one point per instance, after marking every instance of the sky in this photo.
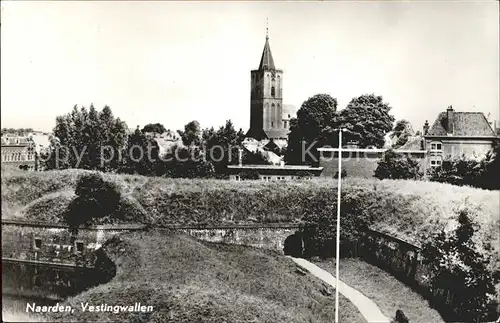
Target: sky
(173, 62)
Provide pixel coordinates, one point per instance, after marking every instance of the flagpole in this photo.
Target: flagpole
(337, 246)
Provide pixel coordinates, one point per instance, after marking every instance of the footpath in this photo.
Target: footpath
(366, 306)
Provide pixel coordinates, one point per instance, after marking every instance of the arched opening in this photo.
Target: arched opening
(294, 246)
(273, 91)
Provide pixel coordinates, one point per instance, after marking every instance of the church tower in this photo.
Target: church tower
(266, 99)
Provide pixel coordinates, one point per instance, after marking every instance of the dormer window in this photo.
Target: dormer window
(273, 91)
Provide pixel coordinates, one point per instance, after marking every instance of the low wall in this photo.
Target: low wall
(52, 243)
(261, 237)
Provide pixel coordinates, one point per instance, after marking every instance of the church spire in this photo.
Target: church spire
(267, 62)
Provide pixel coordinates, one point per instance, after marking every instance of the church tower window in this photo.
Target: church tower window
(273, 92)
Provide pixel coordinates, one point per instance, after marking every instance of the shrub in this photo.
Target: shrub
(457, 267)
(249, 175)
(344, 174)
(397, 166)
(461, 171)
(95, 199)
(458, 171)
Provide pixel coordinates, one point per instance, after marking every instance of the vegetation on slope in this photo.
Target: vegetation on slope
(187, 280)
(405, 209)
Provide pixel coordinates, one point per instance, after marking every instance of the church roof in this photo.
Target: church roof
(267, 62)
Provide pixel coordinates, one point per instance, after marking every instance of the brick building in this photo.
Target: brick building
(269, 119)
(19, 152)
(454, 134)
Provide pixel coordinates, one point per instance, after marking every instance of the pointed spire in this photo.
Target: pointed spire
(267, 62)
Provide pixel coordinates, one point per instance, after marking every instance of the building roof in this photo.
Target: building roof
(286, 167)
(277, 133)
(372, 150)
(413, 143)
(465, 124)
(266, 61)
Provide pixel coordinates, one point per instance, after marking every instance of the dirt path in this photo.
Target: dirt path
(366, 306)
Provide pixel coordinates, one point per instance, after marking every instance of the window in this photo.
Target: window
(436, 161)
(273, 91)
(37, 243)
(284, 124)
(79, 247)
(436, 146)
(272, 123)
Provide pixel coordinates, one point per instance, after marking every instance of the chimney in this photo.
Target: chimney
(449, 120)
(426, 127)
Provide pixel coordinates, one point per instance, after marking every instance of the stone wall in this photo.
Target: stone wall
(261, 237)
(42, 242)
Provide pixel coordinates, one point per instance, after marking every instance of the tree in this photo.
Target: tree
(191, 134)
(367, 120)
(187, 162)
(254, 158)
(315, 115)
(396, 166)
(154, 127)
(491, 168)
(141, 155)
(95, 198)
(402, 131)
(222, 146)
(86, 139)
(457, 267)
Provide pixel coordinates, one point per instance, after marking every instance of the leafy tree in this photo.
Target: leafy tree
(457, 267)
(490, 165)
(314, 116)
(254, 158)
(95, 198)
(396, 166)
(222, 145)
(154, 127)
(187, 162)
(367, 120)
(402, 131)
(86, 139)
(141, 155)
(191, 136)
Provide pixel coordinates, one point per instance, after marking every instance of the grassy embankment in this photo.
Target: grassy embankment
(405, 209)
(187, 280)
(387, 292)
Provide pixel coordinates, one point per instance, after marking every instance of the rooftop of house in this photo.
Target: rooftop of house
(463, 124)
(413, 143)
(272, 167)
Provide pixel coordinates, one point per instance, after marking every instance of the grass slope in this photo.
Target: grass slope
(187, 280)
(387, 292)
(404, 209)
